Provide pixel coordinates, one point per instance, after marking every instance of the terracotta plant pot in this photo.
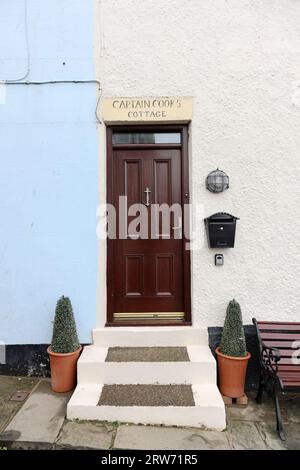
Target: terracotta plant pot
(232, 374)
(63, 370)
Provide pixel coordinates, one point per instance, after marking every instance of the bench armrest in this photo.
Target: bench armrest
(269, 358)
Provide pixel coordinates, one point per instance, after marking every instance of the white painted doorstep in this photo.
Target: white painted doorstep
(200, 372)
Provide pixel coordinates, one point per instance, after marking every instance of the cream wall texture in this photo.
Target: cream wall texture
(240, 60)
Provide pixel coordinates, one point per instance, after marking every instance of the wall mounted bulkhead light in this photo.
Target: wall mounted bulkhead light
(217, 181)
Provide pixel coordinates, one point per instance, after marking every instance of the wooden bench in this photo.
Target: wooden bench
(279, 345)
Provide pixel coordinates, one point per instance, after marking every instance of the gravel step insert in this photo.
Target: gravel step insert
(159, 354)
(147, 395)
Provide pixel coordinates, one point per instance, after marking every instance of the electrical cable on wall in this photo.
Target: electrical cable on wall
(26, 45)
(22, 80)
(53, 82)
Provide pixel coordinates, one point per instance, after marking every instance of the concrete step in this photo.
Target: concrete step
(200, 368)
(150, 336)
(152, 375)
(208, 409)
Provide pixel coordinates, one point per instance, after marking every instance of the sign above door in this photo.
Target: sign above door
(147, 109)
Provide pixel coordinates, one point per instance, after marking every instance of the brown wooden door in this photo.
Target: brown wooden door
(148, 273)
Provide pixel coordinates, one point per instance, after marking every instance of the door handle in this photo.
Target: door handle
(178, 227)
(147, 191)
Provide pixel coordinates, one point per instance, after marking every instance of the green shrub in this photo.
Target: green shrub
(64, 338)
(233, 342)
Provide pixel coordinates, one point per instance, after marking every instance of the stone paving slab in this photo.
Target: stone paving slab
(39, 421)
(88, 435)
(162, 438)
(9, 385)
(291, 406)
(254, 412)
(269, 435)
(244, 435)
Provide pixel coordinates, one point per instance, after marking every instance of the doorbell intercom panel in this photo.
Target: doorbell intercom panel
(219, 260)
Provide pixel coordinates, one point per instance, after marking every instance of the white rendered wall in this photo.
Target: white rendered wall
(240, 60)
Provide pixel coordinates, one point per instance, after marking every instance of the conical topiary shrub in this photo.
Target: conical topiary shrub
(233, 342)
(65, 349)
(64, 339)
(232, 354)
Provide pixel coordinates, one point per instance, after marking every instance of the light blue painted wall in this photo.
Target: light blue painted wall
(48, 176)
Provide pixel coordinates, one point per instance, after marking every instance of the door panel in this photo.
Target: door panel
(148, 272)
(164, 274)
(162, 181)
(132, 180)
(134, 273)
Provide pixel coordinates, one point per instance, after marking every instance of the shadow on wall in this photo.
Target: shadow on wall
(252, 346)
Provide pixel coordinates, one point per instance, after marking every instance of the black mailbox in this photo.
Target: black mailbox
(220, 229)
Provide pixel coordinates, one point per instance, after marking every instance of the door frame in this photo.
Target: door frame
(183, 129)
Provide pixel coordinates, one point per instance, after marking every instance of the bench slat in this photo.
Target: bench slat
(287, 361)
(290, 383)
(289, 352)
(289, 368)
(281, 327)
(290, 375)
(284, 336)
(277, 323)
(278, 344)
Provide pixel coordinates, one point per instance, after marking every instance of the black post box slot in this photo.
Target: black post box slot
(220, 230)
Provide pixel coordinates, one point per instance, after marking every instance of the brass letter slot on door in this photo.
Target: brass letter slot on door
(149, 316)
